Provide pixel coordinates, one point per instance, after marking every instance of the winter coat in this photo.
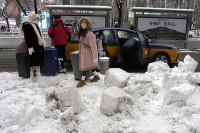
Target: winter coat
(31, 39)
(59, 33)
(88, 52)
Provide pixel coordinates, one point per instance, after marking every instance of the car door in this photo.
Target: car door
(110, 43)
(127, 42)
(143, 49)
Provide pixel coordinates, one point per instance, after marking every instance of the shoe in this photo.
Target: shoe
(63, 70)
(95, 79)
(38, 76)
(31, 75)
(80, 84)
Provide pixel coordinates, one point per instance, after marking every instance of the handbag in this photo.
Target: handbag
(21, 48)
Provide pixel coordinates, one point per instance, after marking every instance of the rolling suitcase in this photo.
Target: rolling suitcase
(23, 64)
(75, 66)
(51, 63)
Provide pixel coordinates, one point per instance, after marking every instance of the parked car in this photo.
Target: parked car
(145, 50)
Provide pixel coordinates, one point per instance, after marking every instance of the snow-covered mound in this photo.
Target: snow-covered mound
(162, 100)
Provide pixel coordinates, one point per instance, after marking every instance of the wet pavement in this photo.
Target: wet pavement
(8, 60)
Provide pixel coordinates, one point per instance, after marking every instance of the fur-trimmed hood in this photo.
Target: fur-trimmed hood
(32, 16)
(88, 20)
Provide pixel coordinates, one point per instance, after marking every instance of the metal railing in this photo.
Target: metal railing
(15, 34)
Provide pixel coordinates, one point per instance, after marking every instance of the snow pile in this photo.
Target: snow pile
(182, 94)
(162, 100)
(176, 94)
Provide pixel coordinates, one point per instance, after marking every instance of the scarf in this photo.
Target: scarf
(41, 41)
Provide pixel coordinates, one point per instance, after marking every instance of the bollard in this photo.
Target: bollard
(104, 64)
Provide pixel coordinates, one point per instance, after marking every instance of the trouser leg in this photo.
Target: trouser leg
(61, 54)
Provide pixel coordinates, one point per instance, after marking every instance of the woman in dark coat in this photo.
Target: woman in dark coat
(35, 44)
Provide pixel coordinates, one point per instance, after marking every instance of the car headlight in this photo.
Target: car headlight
(175, 48)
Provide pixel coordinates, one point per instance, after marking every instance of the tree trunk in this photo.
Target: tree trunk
(119, 7)
(120, 15)
(24, 11)
(35, 6)
(8, 25)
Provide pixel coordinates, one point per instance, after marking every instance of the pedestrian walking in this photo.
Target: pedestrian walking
(116, 25)
(88, 53)
(60, 36)
(35, 44)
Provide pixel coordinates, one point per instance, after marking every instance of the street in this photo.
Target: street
(7, 61)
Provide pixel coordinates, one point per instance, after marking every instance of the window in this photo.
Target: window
(125, 34)
(108, 35)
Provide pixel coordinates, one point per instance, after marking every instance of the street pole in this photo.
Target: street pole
(35, 5)
(165, 3)
(110, 19)
(113, 17)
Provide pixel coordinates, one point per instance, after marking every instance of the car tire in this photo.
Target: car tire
(190, 36)
(162, 57)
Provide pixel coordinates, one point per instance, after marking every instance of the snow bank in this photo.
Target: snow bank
(162, 100)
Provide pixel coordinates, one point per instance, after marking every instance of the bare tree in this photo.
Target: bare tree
(4, 5)
(119, 4)
(23, 9)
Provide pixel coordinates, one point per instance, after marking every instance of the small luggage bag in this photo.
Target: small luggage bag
(23, 64)
(51, 63)
(75, 66)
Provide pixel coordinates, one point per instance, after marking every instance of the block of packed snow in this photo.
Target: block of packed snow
(188, 65)
(69, 97)
(178, 94)
(114, 100)
(116, 77)
(63, 98)
(158, 67)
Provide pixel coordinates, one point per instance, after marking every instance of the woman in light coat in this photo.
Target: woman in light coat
(88, 53)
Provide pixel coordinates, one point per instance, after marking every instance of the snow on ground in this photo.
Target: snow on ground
(165, 100)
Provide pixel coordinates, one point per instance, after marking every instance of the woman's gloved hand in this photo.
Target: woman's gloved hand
(95, 61)
(30, 51)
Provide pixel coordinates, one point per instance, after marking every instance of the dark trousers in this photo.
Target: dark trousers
(61, 53)
(85, 73)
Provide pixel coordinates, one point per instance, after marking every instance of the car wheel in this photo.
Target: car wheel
(190, 36)
(162, 57)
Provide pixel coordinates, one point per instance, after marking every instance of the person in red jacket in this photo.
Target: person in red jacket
(60, 36)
